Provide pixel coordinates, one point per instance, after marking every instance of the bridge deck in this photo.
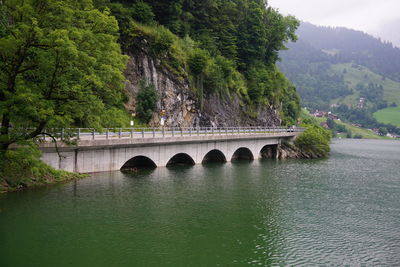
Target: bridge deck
(157, 136)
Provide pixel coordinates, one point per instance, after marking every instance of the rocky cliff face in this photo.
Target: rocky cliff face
(288, 150)
(175, 96)
(179, 101)
(232, 112)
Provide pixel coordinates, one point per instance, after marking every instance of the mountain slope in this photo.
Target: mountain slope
(354, 46)
(354, 75)
(338, 67)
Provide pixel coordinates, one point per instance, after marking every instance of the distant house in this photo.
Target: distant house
(333, 116)
(319, 114)
(361, 102)
(376, 131)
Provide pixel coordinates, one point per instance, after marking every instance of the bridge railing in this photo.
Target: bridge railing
(133, 133)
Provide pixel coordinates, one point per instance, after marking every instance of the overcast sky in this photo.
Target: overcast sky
(380, 18)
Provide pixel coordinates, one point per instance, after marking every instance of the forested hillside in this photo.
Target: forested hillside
(223, 48)
(345, 71)
(346, 45)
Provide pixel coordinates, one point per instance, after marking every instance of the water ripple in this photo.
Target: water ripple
(343, 211)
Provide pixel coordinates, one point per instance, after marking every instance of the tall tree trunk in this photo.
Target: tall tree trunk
(4, 137)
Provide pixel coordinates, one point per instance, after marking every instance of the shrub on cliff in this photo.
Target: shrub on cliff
(314, 141)
(146, 102)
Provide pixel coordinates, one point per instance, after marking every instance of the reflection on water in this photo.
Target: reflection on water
(341, 211)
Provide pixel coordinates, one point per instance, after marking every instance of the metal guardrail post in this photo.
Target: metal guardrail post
(206, 131)
(212, 130)
(154, 133)
(79, 133)
(131, 133)
(190, 131)
(62, 134)
(119, 133)
(142, 133)
(198, 131)
(173, 131)
(93, 133)
(181, 131)
(163, 132)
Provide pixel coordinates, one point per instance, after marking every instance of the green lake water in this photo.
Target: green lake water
(344, 210)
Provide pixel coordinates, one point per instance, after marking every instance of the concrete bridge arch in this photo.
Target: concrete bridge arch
(112, 155)
(195, 153)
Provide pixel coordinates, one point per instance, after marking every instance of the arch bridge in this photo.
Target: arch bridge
(126, 149)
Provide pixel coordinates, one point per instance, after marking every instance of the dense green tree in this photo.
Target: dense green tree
(331, 123)
(383, 131)
(315, 140)
(146, 100)
(198, 62)
(60, 66)
(349, 134)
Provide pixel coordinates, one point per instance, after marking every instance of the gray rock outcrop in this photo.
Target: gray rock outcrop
(180, 103)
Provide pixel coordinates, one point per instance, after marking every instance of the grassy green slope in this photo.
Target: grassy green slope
(365, 133)
(360, 74)
(389, 115)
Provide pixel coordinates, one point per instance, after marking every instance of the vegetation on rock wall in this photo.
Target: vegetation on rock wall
(146, 100)
(225, 47)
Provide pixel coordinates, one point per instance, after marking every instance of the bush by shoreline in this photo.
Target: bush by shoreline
(22, 168)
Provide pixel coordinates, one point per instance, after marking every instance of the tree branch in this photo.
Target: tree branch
(37, 131)
(26, 69)
(52, 85)
(55, 144)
